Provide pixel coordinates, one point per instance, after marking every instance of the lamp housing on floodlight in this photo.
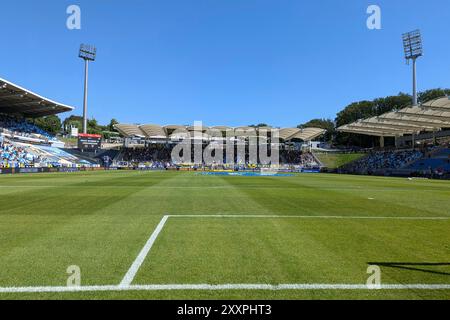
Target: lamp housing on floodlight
(87, 53)
(412, 44)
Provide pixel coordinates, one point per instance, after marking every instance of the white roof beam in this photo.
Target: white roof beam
(413, 120)
(384, 122)
(367, 132)
(425, 116)
(375, 128)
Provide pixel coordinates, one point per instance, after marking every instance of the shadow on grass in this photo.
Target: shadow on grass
(419, 266)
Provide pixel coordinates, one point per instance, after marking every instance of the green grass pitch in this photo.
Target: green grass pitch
(280, 234)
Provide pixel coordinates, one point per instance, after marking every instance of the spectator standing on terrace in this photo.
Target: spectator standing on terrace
(12, 156)
(384, 160)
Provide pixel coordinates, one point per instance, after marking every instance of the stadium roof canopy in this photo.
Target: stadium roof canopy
(152, 131)
(431, 116)
(19, 101)
(130, 130)
(307, 134)
(222, 128)
(438, 104)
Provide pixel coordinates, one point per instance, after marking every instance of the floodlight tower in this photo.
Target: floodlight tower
(412, 43)
(87, 53)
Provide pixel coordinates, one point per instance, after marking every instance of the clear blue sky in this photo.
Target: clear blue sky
(225, 62)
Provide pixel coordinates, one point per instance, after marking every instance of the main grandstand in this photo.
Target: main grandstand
(24, 147)
(152, 145)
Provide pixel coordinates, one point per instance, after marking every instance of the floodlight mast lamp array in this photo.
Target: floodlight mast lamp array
(412, 44)
(87, 53)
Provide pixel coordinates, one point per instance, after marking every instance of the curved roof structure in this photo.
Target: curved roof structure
(17, 100)
(244, 128)
(174, 127)
(426, 113)
(222, 128)
(433, 115)
(439, 104)
(130, 130)
(307, 134)
(153, 131)
(246, 131)
(367, 131)
(286, 133)
(192, 128)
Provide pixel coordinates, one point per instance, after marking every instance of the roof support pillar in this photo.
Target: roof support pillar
(382, 142)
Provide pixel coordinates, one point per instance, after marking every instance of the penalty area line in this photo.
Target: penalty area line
(129, 276)
(223, 287)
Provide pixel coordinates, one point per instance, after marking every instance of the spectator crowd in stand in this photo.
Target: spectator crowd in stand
(23, 128)
(160, 156)
(298, 158)
(12, 156)
(383, 160)
(16, 153)
(154, 152)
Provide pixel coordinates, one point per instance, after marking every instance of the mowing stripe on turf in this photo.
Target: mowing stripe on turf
(126, 285)
(221, 287)
(391, 189)
(129, 277)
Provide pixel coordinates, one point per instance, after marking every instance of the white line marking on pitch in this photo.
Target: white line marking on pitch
(265, 287)
(129, 277)
(307, 217)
